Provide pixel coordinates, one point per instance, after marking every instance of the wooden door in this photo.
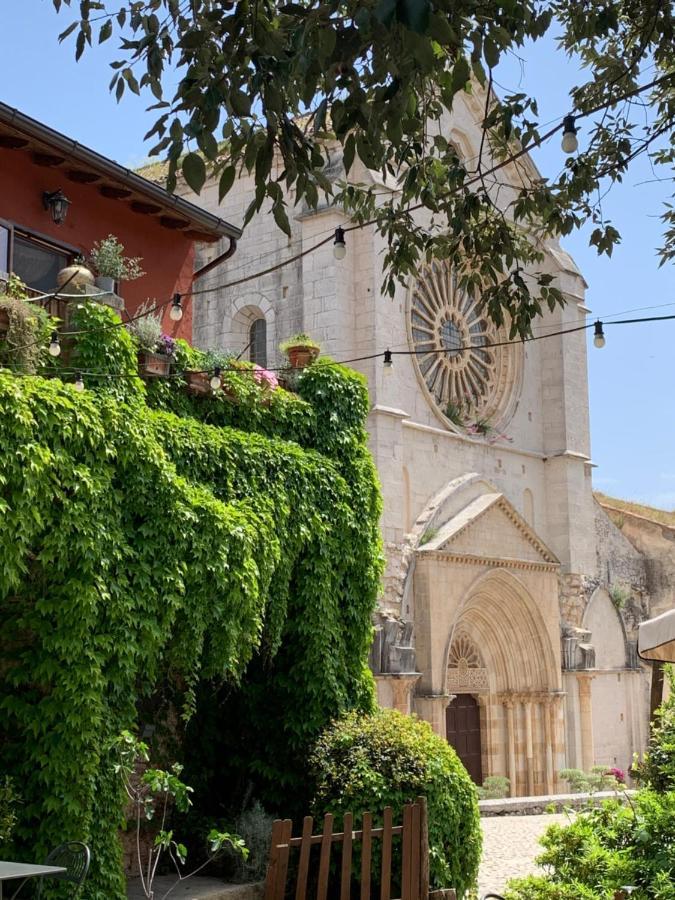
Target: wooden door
(463, 732)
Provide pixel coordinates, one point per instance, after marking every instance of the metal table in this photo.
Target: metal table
(11, 871)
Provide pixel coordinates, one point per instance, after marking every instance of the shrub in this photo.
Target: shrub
(22, 348)
(8, 802)
(605, 848)
(598, 779)
(388, 759)
(617, 844)
(494, 787)
(254, 826)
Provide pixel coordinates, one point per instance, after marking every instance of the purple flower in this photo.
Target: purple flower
(166, 345)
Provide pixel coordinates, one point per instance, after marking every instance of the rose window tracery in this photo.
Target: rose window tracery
(459, 353)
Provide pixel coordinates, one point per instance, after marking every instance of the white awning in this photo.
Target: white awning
(656, 638)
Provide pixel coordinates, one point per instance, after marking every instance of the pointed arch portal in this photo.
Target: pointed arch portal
(502, 674)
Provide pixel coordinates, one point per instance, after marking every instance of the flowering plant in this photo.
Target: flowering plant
(166, 345)
(619, 774)
(459, 414)
(265, 378)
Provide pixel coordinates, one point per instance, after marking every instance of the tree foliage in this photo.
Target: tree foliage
(302, 83)
(143, 550)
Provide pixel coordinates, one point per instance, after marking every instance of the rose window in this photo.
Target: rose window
(466, 376)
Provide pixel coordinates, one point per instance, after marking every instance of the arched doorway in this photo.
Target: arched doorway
(499, 652)
(462, 722)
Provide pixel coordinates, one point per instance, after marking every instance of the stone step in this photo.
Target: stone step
(197, 888)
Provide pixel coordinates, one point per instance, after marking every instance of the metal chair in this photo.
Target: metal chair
(74, 857)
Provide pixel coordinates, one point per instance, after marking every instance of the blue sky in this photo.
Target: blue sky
(631, 379)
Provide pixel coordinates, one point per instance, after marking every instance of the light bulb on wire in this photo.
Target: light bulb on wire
(79, 383)
(215, 381)
(339, 245)
(54, 345)
(570, 143)
(388, 362)
(176, 311)
(599, 335)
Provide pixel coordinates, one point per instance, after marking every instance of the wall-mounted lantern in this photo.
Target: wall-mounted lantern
(57, 203)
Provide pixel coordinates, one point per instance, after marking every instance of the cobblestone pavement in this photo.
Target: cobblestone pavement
(510, 845)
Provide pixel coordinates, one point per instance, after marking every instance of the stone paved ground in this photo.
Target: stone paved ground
(510, 845)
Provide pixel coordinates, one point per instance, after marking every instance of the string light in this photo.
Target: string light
(598, 335)
(176, 311)
(570, 143)
(216, 382)
(79, 383)
(54, 345)
(388, 362)
(339, 245)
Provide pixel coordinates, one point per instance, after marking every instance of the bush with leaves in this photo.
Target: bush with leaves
(494, 787)
(9, 800)
(23, 345)
(627, 841)
(657, 770)
(600, 778)
(600, 851)
(146, 553)
(364, 763)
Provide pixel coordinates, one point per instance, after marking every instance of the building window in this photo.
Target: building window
(257, 347)
(5, 236)
(36, 262)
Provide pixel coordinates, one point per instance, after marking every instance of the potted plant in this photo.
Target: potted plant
(300, 349)
(111, 265)
(155, 350)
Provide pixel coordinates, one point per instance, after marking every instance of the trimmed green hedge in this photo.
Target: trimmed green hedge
(388, 759)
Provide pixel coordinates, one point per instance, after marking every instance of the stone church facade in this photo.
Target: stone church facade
(499, 622)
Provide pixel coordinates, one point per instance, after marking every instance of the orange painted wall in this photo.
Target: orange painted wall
(168, 256)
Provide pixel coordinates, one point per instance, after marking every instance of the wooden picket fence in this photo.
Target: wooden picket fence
(414, 855)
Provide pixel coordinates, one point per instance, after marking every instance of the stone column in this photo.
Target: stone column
(486, 746)
(526, 701)
(511, 743)
(548, 712)
(586, 716)
(395, 690)
(557, 736)
(431, 708)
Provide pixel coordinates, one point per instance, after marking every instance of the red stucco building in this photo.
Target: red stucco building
(105, 198)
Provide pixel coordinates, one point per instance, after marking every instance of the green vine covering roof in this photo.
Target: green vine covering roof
(154, 541)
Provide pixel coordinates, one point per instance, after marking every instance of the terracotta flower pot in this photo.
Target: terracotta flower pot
(198, 383)
(153, 364)
(301, 355)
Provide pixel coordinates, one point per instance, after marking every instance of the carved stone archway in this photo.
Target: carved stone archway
(500, 653)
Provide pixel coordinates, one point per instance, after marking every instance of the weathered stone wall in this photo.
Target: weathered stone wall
(653, 543)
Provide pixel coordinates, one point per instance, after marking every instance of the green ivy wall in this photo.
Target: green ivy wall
(150, 540)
